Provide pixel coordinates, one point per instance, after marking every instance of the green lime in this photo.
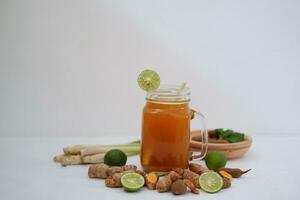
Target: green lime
(115, 157)
(211, 182)
(132, 182)
(148, 80)
(215, 160)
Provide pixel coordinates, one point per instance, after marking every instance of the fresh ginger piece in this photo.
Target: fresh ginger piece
(173, 176)
(129, 167)
(116, 169)
(113, 170)
(98, 170)
(151, 180)
(192, 176)
(178, 171)
(164, 184)
(115, 179)
(191, 186)
(103, 171)
(178, 187)
(198, 169)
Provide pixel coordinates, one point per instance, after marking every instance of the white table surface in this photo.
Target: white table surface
(28, 172)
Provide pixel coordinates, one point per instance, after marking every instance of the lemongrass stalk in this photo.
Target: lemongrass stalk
(76, 150)
(104, 149)
(135, 142)
(132, 153)
(93, 159)
(99, 158)
(182, 88)
(65, 160)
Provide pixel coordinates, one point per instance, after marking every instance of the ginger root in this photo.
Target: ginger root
(164, 184)
(192, 176)
(151, 180)
(115, 179)
(98, 171)
(198, 169)
(179, 171)
(178, 187)
(191, 186)
(103, 171)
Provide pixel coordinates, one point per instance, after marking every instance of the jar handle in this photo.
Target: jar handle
(203, 134)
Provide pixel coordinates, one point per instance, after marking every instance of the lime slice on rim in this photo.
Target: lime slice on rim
(211, 182)
(132, 182)
(148, 80)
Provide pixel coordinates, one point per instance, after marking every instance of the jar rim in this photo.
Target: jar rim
(169, 93)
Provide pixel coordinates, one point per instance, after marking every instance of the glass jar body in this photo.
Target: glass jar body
(165, 135)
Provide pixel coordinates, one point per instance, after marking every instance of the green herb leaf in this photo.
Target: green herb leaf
(230, 135)
(219, 131)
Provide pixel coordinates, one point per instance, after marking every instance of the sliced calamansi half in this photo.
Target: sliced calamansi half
(148, 80)
(211, 182)
(132, 182)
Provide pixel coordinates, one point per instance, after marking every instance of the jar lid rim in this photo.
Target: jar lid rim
(169, 93)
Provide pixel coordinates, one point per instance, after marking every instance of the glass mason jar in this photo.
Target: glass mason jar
(166, 129)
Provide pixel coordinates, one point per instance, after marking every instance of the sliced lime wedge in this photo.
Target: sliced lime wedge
(148, 80)
(132, 182)
(211, 182)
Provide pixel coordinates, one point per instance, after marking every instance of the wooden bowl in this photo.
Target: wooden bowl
(230, 150)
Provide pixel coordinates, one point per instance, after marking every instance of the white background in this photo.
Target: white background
(69, 67)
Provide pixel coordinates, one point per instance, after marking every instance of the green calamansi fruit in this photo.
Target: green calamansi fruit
(115, 157)
(215, 160)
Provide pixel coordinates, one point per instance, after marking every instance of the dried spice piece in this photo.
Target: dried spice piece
(192, 176)
(198, 169)
(178, 187)
(235, 172)
(226, 183)
(225, 174)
